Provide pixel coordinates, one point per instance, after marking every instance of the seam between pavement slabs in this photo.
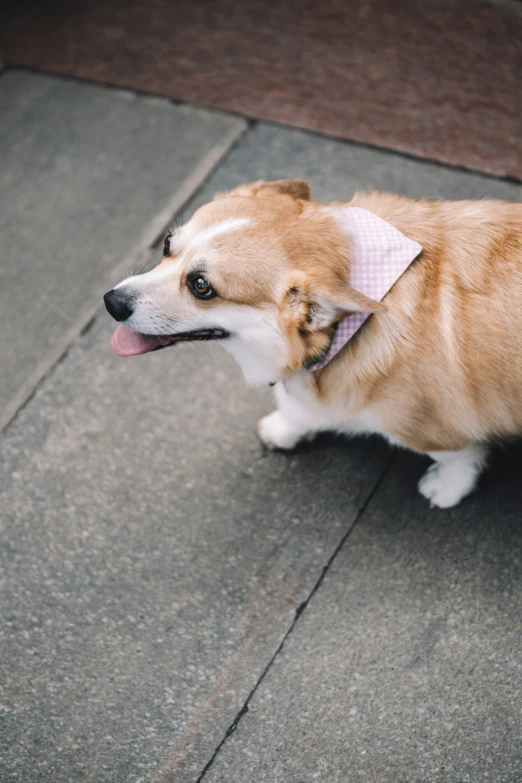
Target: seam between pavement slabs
(299, 611)
(252, 120)
(137, 256)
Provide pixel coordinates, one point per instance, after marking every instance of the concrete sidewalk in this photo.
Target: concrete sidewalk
(177, 604)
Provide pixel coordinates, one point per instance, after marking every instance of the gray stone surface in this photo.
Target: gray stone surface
(336, 169)
(406, 665)
(84, 172)
(154, 556)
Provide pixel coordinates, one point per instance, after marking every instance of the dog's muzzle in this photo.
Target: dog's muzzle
(119, 304)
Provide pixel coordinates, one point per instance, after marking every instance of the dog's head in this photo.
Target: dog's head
(262, 269)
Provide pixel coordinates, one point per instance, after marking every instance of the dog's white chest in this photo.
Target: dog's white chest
(299, 404)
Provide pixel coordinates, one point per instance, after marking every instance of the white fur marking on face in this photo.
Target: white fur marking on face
(158, 273)
(256, 343)
(174, 243)
(191, 237)
(186, 239)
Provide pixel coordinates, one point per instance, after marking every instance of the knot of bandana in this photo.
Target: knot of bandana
(380, 254)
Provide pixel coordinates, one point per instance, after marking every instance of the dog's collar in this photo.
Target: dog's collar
(380, 254)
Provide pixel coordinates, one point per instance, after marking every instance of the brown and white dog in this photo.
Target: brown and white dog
(437, 368)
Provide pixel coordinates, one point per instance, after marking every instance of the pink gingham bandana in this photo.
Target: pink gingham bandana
(380, 254)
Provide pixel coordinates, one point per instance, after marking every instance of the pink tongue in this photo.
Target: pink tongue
(125, 342)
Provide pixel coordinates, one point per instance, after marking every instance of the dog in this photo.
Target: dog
(382, 315)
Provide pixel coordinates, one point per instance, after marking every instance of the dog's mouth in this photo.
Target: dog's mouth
(127, 342)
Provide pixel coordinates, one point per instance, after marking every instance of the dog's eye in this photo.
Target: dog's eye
(166, 244)
(201, 287)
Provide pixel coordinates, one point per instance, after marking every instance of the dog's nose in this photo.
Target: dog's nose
(119, 305)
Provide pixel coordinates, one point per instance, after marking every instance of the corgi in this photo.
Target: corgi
(382, 315)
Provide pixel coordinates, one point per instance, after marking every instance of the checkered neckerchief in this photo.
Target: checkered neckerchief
(379, 256)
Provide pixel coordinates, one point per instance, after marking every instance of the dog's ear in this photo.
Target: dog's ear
(318, 305)
(309, 310)
(296, 188)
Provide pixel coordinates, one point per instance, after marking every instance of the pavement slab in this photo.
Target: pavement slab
(154, 557)
(336, 169)
(407, 664)
(86, 173)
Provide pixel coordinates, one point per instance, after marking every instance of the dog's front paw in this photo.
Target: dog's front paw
(276, 432)
(445, 487)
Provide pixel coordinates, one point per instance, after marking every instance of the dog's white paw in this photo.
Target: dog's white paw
(276, 432)
(445, 486)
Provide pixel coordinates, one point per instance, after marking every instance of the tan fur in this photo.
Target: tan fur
(441, 362)
(444, 365)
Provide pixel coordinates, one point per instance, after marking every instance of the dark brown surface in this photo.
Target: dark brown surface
(439, 79)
